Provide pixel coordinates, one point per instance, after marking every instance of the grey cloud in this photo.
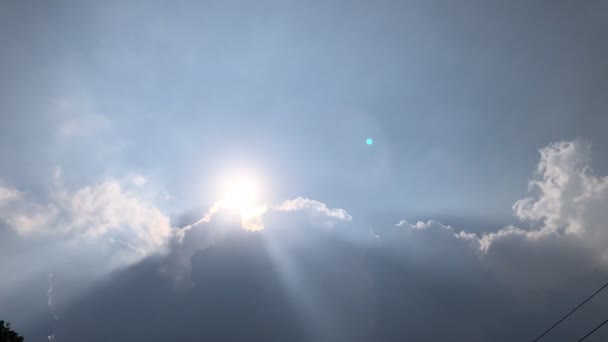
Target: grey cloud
(8, 195)
(424, 281)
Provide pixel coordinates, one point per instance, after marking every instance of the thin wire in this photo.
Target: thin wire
(592, 331)
(571, 312)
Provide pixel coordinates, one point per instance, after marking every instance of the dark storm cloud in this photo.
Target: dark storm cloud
(305, 280)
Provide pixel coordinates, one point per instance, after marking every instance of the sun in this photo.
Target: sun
(240, 195)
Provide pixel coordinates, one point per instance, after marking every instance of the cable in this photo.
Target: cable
(571, 312)
(592, 331)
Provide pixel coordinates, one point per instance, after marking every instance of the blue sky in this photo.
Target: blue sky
(458, 98)
(158, 103)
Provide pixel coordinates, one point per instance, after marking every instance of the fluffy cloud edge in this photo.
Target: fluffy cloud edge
(115, 213)
(567, 200)
(104, 210)
(316, 207)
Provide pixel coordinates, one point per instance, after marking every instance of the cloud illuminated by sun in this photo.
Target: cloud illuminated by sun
(241, 195)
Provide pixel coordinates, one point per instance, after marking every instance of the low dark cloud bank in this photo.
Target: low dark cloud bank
(312, 275)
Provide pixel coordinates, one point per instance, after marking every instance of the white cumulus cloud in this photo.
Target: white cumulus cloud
(567, 201)
(104, 210)
(301, 203)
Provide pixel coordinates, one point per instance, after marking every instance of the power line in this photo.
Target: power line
(571, 312)
(592, 331)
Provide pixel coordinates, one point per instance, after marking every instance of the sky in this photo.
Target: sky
(201, 169)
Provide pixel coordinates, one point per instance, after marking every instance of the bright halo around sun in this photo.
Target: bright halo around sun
(240, 195)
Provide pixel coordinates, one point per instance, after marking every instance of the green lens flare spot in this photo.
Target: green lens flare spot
(369, 141)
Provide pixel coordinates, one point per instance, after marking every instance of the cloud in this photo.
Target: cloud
(526, 275)
(388, 285)
(252, 218)
(314, 207)
(8, 195)
(563, 235)
(139, 180)
(221, 219)
(567, 201)
(568, 197)
(101, 211)
(566, 235)
(111, 217)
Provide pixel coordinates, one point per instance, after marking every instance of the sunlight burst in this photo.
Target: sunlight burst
(240, 195)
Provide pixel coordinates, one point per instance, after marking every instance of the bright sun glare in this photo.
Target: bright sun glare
(240, 195)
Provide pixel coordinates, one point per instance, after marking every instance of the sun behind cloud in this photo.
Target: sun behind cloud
(240, 194)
